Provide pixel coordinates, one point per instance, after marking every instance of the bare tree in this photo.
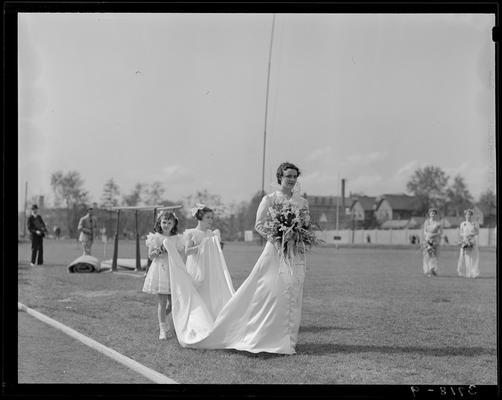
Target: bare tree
(135, 198)
(155, 193)
(111, 194)
(459, 197)
(68, 190)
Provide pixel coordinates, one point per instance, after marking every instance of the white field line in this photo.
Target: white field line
(154, 376)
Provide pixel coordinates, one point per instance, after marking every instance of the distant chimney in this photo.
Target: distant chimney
(343, 195)
(41, 202)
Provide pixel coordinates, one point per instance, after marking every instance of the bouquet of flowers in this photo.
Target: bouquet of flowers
(467, 243)
(289, 229)
(430, 247)
(155, 241)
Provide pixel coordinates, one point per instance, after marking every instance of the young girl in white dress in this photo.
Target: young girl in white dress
(468, 261)
(157, 280)
(205, 261)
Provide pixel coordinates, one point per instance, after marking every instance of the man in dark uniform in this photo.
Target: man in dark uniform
(37, 229)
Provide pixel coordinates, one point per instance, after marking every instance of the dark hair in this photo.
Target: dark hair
(283, 167)
(167, 215)
(203, 211)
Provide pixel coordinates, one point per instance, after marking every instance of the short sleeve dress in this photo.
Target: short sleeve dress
(157, 280)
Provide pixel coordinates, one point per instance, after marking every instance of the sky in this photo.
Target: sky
(181, 99)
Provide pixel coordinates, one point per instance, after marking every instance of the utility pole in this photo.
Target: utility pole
(337, 213)
(25, 205)
(338, 204)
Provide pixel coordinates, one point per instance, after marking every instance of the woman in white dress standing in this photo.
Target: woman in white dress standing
(432, 236)
(205, 261)
(264, 313)
(468, 261)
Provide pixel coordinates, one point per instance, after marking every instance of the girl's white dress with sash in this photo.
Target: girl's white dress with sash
(157, 280)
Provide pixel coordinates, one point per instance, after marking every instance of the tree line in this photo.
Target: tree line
(69, 193)
(430, 184)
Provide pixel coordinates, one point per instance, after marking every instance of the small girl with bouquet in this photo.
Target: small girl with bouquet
(157, 280)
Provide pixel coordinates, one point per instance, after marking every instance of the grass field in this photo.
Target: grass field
(369, 317)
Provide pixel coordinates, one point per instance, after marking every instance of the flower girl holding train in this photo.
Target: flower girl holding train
(157, 280)
(205, 261)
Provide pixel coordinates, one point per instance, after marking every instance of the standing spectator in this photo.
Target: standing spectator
(87, 226)
(432, 236)
(468, 261)
(57, 232)
(37, 229)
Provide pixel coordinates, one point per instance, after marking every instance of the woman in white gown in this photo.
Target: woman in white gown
(432, 236)
(264, 313)
(468, 261)
(205, 261)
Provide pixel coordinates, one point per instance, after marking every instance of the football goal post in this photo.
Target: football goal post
(134, 209)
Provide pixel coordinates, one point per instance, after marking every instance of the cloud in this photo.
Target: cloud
(319, 154)
(316, 178)
(176, 174)
(365, 182)
(407, 170)
(478, 179)
(365, 159)
(462, 170)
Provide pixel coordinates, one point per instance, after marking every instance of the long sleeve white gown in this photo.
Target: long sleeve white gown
(468, 260)
(264, 313)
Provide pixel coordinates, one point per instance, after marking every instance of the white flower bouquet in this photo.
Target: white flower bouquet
(155, 242)
(430, 247)
(467, 243)
(289, 229)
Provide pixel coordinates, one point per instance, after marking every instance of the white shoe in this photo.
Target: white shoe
(162, 334)
(32, 265)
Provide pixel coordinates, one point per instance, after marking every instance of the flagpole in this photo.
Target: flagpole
(266, 106)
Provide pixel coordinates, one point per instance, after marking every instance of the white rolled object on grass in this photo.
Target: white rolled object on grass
(85, 264)
(126, 263)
